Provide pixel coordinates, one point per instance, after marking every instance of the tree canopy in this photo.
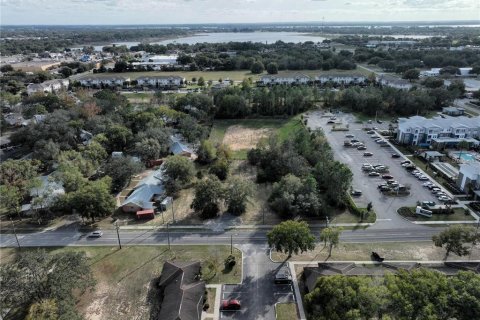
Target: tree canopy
(291, 237)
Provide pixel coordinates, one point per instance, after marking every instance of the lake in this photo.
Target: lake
(219, 37)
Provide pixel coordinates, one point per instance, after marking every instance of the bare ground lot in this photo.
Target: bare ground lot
(239, 137)
(421, 251)
(126, 279)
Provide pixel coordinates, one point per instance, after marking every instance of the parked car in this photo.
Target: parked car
(356, 193)
(444, 199)
(385, 188)
(370, 132)
(428, 203)
(405, 162)
(374, 174)
(354, 140)
(387, 176)
(373, 136)
(395, 155)
(362, 147)
(330, 122)
(283, 277)
(367, 154)
(422, 178)
(95, 234)
(426, 184)
(230, 305)
(379, 121)
(349, 135)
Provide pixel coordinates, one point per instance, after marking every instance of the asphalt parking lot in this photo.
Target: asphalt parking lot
(385, 206)
(258, 293)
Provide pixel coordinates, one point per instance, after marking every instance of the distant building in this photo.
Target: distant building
(296, 78)
(48, 86)
(434, 72)
(182, 291)
(104, 80)
(465, 72)
(394, 82)
(161, 81)
(442, 132)
(343, 79)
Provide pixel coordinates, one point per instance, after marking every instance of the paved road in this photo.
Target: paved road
(384, 206)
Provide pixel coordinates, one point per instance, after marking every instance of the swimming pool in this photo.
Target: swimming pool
(465, 156)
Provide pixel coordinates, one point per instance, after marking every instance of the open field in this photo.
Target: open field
(390, 251)
(126, 279)
(286, 311)
(139, 97)
(235, 75)
(243, 134)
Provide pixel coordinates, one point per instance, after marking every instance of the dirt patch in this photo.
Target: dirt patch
(240, 138)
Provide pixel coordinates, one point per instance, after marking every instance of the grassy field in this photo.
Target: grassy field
(282, 127)
(286, 311)
(139, 97)
(126, 279)
(421, 251)
(236, 75)
(458, 215)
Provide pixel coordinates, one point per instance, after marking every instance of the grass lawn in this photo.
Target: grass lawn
(286, 311)
(211, 292)
(139, 97)
(458, 215)
(391, 251)
(126, 279)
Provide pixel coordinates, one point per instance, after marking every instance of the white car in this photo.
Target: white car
(422, 178)
(349, 136)
(95, 234)
(444, 198)
(426, 184)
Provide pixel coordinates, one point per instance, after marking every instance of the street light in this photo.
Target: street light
(168, 236)
(15, 233)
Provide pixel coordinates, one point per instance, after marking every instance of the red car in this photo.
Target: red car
(230, 305)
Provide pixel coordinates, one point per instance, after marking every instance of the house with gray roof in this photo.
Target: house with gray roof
(149, 190)
(182, 291)
(285, 78)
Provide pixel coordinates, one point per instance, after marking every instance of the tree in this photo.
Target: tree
(272, 68)
(237, 193)
(418, 294)
(344, 298)
(93, 199)
(6, 68)
(206, 152)
(18, 173)
(465, 302)
(220, 168)
(148, 149)
(291, 237)
(118, 137)
(208, 194)
(257, 67)
(179, 171)
(121, 170)
(411, 74)
(46, 152)
(66, 72)
(330, 236)
(454, 238)
(326, 172)
(46, 282)
(201, 82)
(11, 198)
(45, 309)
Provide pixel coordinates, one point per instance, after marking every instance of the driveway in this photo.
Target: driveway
(384, 206)
(257, 293)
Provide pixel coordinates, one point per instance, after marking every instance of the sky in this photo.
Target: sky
(64, 12)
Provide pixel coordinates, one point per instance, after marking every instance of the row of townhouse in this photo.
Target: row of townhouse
(48, 86)
(393, 82)
(445, 132)
(153, 81)
(304, 79)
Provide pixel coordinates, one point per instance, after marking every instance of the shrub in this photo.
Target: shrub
(230, 262)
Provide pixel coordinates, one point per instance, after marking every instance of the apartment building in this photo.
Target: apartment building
(441, 131)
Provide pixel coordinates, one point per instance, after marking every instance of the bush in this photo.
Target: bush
(206, 306)
(230, 262)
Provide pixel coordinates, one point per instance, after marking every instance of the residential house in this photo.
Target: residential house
(149, 190)
(341, 79)
(39, 118)
(105, 81)
(44, 194)
(15, 119)
(469, 177)
(296, 78)
(180, 147)
(394, 82)
(442, 132)
(182, 291)
(433, 72)
(465, 72)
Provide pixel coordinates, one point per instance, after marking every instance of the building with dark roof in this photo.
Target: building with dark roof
(182, 291)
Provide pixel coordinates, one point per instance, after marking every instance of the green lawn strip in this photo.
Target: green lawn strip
(286, 311)
(411, 251)
(211, 292)
(457, 215)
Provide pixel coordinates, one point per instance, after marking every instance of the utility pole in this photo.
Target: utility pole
(231, 243)
(15, 233)
(118, 235)
(173, 212)
(168, 237)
